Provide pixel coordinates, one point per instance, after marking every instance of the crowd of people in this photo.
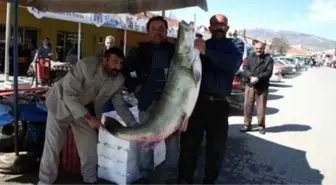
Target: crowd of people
(77, 100)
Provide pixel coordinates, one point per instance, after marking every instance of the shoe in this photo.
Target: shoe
(262, 130)
(142, 181)
(246, 129)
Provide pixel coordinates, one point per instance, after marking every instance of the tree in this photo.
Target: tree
(279, 45)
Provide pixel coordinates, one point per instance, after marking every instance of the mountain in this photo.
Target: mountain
(294, 38)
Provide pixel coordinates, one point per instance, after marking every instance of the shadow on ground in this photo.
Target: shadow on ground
(289, 128)
(271, 90)
(274, 97)
(253, 160)
(280, 85)
(269, 111)
(293, 75)
(240, 111)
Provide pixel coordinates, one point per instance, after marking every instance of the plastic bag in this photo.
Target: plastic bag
(5, 116)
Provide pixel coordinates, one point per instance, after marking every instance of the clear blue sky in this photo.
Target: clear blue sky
(317, 17)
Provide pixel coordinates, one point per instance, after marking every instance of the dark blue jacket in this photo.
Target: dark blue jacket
(44, 52)
(150, 62)
(220, 63)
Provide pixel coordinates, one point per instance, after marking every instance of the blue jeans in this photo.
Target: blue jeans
(146, 158)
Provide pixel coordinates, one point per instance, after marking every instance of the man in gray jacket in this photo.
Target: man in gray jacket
(77, 100)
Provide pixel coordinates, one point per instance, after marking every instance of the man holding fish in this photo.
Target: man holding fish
(77, 100)
(221, 59)
(150, 60)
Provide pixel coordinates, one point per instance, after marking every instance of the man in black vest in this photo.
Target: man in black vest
(150, 61)
(258, 72)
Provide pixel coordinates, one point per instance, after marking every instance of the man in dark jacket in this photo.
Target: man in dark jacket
(221, 59)
(150, 61)
(258, 72)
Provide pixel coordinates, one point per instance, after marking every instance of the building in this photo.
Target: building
(64, 34)
(297, 51)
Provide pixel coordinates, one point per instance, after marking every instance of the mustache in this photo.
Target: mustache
(219, 31)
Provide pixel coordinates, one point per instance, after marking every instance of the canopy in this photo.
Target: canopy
(111, 6)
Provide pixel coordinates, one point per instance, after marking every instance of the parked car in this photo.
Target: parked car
(277, 70)
(289, 61)
(300, 61)
(286, 69)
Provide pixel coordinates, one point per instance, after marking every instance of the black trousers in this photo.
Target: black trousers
(209, 116)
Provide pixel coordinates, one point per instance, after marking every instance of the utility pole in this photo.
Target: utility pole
(8, 40)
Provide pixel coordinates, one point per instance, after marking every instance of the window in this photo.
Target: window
(27, 39)
(66, 41)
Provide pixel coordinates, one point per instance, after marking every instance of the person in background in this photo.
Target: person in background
(72, 56)
(150, 60)
(44, 51)
(109, 43)
(77, 100)
(221, 58)
(257, 72)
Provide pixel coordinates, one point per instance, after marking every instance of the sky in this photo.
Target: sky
(316, 17)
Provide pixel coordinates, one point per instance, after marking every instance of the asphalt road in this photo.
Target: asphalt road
(298, 147)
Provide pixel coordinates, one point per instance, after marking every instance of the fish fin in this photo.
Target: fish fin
(112, 125)
(196, 74)
(185, 122)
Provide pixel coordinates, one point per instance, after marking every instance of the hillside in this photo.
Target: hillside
(294, 38)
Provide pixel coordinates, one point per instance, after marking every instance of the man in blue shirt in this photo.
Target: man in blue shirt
(221, 59)
(150, 61)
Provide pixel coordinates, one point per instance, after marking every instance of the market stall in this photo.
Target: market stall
(30, 117)
(43, 74)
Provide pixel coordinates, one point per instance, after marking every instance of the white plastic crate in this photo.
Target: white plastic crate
(106, 138)
(117, 152)
(112, 174)
(125, 167)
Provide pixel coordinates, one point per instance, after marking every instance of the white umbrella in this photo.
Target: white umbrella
(111, 6)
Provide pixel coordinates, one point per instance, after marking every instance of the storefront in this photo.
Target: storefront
(63, 34)
(33, 30)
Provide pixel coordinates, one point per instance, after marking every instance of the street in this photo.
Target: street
(297, 147)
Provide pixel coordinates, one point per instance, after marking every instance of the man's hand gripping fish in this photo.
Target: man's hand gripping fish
(178, 99)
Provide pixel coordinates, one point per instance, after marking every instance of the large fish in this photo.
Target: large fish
(178, 98)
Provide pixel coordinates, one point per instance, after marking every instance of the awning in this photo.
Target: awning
(86, 18)
(120, 21)
(111, 6)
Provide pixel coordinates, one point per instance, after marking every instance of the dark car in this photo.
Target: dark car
(236, 99)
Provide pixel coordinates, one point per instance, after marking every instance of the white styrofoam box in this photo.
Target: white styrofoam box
(117, 152)
(126, 167)
(114, 114)
(159, 153)
(113, 175)
(106, 138)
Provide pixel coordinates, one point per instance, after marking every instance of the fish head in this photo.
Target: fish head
(185, 38)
